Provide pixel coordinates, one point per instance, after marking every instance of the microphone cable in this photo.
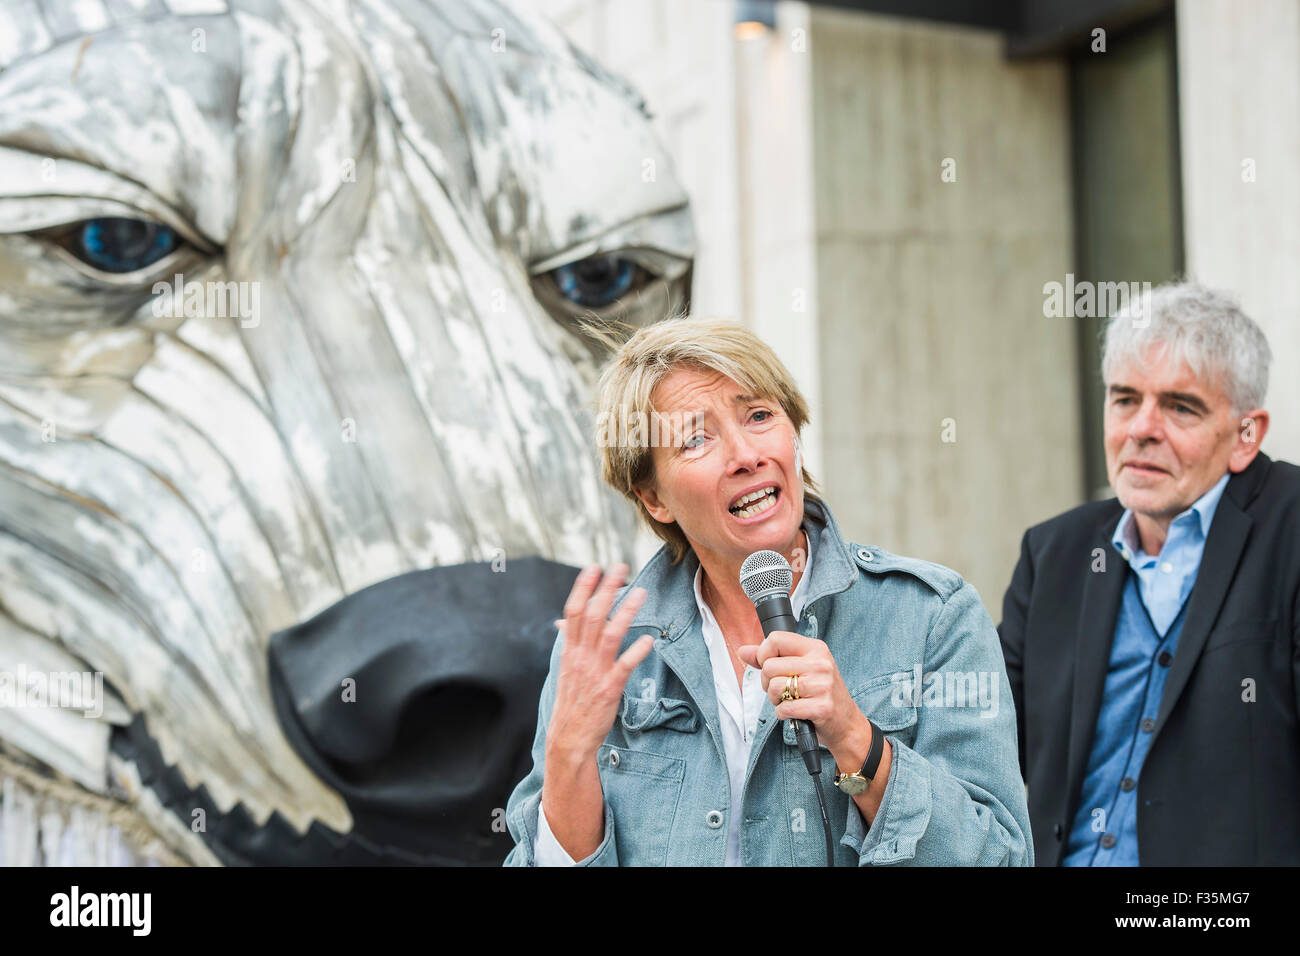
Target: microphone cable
(812, 759)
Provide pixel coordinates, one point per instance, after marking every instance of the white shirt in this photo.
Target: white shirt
(739, 706)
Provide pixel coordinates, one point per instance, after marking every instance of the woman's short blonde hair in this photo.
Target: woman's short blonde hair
(645, 359)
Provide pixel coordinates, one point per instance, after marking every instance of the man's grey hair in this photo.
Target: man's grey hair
(1203, 327)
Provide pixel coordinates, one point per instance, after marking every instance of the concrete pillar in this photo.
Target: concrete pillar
(949, 402)
(1239, 97)
(777, 194)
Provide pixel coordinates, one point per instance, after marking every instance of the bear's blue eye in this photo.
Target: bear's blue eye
(597, 281)
(113, 244)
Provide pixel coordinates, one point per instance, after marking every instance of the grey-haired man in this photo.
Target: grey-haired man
(1153, 640)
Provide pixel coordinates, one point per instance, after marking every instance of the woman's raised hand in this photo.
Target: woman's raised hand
(591, 679)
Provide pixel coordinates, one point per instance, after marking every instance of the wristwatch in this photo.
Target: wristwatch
(858, 781)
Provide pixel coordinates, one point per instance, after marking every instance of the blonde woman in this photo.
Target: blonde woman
(664, 730)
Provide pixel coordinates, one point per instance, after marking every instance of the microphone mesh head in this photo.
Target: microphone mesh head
(765, 573)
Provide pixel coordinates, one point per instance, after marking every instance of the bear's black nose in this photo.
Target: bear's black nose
(416, 699)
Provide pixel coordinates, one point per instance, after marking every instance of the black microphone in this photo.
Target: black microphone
(765, 577)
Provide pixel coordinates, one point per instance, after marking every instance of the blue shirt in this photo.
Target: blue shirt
(1104, 830)
(1166, 579)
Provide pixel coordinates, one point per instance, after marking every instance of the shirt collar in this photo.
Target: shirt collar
(800, 594)
(1126, 541)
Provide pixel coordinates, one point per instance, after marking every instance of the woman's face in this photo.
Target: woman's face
(738, 444)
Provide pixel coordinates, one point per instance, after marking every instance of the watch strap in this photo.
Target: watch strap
(875, 753)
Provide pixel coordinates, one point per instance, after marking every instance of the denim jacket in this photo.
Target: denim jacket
(921, 658)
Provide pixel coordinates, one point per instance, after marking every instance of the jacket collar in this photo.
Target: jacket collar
(670, 607)
(1245, 486)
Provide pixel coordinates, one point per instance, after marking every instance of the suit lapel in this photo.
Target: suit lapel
(1102, 592)
(1223, 547)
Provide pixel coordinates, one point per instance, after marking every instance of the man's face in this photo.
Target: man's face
(1169, 436)
(737, 443)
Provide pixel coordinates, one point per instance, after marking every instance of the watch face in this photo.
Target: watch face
(853, 784)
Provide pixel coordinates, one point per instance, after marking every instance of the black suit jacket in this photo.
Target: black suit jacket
(1221, 781)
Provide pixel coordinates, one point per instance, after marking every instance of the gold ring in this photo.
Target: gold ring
(786, 691)
(794, 686)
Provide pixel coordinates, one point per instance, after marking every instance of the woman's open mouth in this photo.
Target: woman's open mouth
(756, 504)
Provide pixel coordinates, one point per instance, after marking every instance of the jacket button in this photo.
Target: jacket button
(1165, 659)
(714, 819)
(613, 758)
(1107, 840)
(1148, 725)
(865, 555)
(1056, 831)
(1127, 784)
